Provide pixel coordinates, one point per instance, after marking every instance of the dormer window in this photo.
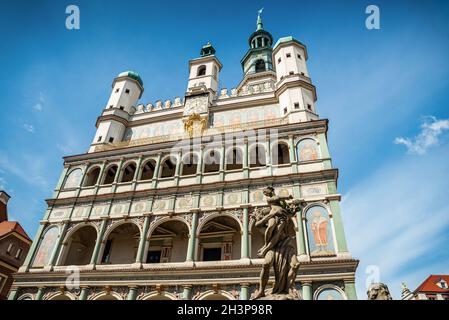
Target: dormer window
(201, 71)
(442, 284)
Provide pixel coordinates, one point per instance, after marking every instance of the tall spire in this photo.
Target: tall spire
(259, 20)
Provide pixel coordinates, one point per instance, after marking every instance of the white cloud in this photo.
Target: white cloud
(38, 106)
(28, 127)
(431, 129)
(2, 183)
(398, 220)
(28, 167)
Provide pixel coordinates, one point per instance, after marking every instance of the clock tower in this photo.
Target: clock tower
(201, 89)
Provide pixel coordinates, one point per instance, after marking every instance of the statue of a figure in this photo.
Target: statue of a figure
(378, 291)
(279, 247)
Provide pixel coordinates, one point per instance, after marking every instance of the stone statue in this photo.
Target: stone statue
(279, 248)
(378, 291)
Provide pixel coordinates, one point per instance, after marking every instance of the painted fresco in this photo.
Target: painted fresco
(154, 130)
(308, 150)
(319, 232)
(329, 294)
(246, 115)
(46, 247)
(74, 178)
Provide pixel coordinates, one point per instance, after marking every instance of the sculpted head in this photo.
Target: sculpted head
(268, 191)
(378, 291)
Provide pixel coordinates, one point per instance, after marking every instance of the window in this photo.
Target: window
(302, 73)
(111, 139)
(99, 138)
(282, 155)
(117, 90)
(299, 57)
(129, 172)
(215, 74)
(279, 60)
(309, 107)
(285, 110)
(234, 159)
(107, 252)
(257, 157)
(211, 254)
(122, 108)
(19, 253)
(288, 55)
(189, 164)
(111, 106)
(260, 65)
(3, 278)
(127, 91)
(9, 249)
(154, 256)
(201, 71)
(168, 168)
(291, 73)
(148, 170)
(296, 104)
(212, 161)
(110, 175)
(92, 177)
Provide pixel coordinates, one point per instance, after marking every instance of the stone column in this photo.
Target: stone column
(245, 158)
(39, 294)
(143, 240)
(268, 160)
(324, 151)
(117, 175)
(245, 233)
(300, 240)
(244, 291)
(192, 238)
(157, 167)
(222, 162)
(199, 167)
(178, 167)
(94, 258)
(60, 182)
(338, 224)
(132, 293)
(292, 151)
(306, 290)
(350, 290)
(57, 250)
(187, 292)
(83, 293)
(136, 174)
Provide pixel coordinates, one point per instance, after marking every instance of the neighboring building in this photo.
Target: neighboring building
(162, 204)
(14, 246)
(435, 287)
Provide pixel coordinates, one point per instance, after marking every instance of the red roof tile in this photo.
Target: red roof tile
(11, 226)
(430, 284)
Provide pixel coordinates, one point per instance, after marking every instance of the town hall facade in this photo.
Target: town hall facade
(162, 205)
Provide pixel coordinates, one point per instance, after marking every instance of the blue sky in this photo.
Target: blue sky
(385, 92)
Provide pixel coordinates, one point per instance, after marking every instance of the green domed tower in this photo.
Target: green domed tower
(258, 58)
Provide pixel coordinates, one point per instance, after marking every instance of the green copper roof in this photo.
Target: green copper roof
(284, 40)
(132, 75)
(207, 50)
(259, 20)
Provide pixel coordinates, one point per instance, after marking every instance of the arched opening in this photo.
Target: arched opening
(168, 242)
(257, 157)
(168, 168)
(60, 297)
(234, 159)
(280, 154)
(92, 177)
(189, 164)
(73, 179)
(158, 297)
(129, 172)
(81, 246)
(121, 245)
(201, 71)
(215, 296)
(106, 297)
(148, 170)
(257, 241)
(110, 175)
(215, 73)
(211, 161)
(260, 65)
(219, 239)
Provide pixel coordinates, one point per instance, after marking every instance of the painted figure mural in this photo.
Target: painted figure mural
(308, 150)
(74, 179)
(329, 294)
(319, 231)
(46, 247)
